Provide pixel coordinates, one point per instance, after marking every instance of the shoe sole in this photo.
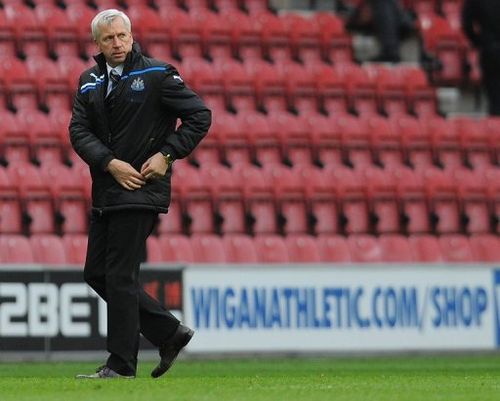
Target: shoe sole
(160, 370)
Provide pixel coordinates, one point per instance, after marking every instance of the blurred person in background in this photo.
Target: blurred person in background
(481, 25)
(123, 126)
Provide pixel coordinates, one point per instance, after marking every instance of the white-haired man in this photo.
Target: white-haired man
(124, 127)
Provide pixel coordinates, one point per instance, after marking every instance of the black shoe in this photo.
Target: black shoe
(170, 349)
(103, 372)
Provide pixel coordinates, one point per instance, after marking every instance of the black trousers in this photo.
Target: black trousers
(116, 246)
(490, 69)
(386, 19)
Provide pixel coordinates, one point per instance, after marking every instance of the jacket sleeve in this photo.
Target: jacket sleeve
(85, 143)
(194, 115)
(468, 19)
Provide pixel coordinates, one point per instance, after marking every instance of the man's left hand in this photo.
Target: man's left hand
(155, 167)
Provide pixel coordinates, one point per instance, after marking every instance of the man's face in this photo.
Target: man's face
(114, 41)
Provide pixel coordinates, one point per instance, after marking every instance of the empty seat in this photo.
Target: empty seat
(485, 247)
(395, 248)
(36, 199)
(48, 249)
(302, 248)
(75, 246)
(239, 248)
(176, 248)
(456, 248)
(10, 206)
(364, 248)
(425, 248)
(207, 248)
(334, 248)
(15, 249)
(271, 249)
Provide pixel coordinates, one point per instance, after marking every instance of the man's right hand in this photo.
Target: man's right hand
(127, 176)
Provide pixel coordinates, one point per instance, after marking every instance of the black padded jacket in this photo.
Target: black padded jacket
(137, 120)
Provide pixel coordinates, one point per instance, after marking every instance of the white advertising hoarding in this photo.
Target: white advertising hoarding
(357, 308)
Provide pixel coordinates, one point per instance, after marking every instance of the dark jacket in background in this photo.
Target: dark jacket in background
(137, 120)
(481, 24)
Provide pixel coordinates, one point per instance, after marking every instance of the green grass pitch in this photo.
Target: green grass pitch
(399, 378)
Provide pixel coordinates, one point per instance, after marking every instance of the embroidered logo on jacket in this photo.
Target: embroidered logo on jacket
(137, 85)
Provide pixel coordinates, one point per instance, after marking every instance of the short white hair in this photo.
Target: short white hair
(106, 17)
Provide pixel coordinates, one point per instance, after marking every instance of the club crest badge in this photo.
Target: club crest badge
(137, 85)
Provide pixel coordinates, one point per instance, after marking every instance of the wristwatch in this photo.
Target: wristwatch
(168, 159)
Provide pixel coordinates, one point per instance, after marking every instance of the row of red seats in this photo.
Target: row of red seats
(49, 199)
(246, 199)
(171, 32)
(254, 85)
(282, 138)
(71, 249)
(279, 137)
(344, 140)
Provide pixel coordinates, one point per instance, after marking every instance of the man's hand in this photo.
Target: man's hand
(127, 176)
(155, 167)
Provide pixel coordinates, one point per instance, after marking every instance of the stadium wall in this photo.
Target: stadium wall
(269, 308)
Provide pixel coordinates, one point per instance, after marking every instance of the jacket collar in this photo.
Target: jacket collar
(134, 54)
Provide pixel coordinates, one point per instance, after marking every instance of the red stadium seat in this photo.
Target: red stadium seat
(333, 248)
(381, 189)
(61, 33)
(75, 246)
(326, 141)
(416, 141)
(302, 248)
(15, 249)
(227, 198)
(355, 140)
(10, 206)
(259, 199)
(301, 92)
(184, 31)
(239, 248)
(492, 127)
(474, 142)
(445, 143)
(336, 43)
(425, 248)
(48, 249)
(420, 94)
(447, 46)
(68, 196)
(274, 38)
(395, 248)
(232, 133)
(36, 199)
(305, 38)
(271, 249)
(295, 138)
(485, 247)
(414, 208)
(442, 198)
(386, 142)
(176, 248)
(390, 86)
(290, 197)
(332, 90)
(364, 248)
(20, 86)
(245, 34)
(350, 191)
(456, 248)
(14, 138)
(207, 248)
(361, 89)
(80, 16)
(472, 193)
(264, 140)
(322, 203)
(216, 35)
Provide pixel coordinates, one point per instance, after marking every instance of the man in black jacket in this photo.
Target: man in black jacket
(124, 127)
(481, 24)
